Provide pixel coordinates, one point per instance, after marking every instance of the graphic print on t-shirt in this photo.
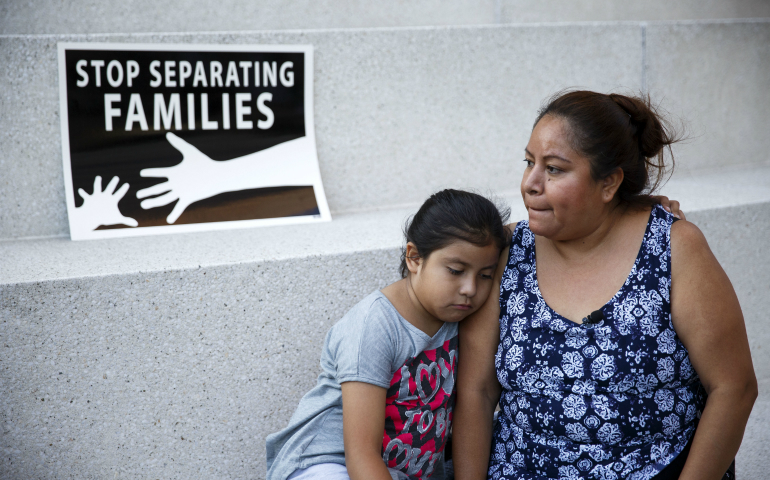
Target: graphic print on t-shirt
(418, 411)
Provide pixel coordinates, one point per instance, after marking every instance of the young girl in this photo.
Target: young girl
(382, 407)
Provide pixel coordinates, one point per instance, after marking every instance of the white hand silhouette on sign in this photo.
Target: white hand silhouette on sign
(101, 207)
(199, 177)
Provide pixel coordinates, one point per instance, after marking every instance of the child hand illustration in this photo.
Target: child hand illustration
(199, 177)
(101, 207)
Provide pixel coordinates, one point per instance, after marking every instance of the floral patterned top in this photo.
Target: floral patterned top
(612, 400)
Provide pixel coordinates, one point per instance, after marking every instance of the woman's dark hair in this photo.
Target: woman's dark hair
(451, 215)
(617, 131)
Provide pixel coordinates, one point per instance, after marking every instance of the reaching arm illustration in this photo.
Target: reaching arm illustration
(101, 207)
(199, 177)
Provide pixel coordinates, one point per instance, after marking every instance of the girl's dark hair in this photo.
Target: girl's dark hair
(618, 131)
(451, 215)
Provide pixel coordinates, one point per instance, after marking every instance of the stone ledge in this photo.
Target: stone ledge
(37, 260)
(40, 260)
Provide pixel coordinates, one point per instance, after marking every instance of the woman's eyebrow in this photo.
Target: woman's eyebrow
(548, 156)
(557, 157)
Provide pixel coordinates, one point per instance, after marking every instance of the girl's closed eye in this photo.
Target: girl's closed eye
(453, 271)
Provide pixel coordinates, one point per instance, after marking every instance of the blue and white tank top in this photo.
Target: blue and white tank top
(614, 400)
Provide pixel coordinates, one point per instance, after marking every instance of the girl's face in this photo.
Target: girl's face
(453, 281)
(562, 198)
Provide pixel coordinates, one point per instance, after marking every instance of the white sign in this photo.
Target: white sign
(180, 138)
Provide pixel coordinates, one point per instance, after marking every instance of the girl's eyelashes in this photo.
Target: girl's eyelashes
(460, 272)
(528, 162)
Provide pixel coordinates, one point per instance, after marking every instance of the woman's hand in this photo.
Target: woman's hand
(363, 426)
(671, 206)
(708, 320)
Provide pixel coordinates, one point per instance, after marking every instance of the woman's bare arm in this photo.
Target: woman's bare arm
(708, 320)
(363, 426)
(478, 390)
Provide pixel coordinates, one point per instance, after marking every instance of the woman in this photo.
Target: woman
(615, 333)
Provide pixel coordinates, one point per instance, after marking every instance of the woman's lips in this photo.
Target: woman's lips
(539, 210)
(537, 207)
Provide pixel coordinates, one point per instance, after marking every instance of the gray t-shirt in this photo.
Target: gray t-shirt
(374, 344)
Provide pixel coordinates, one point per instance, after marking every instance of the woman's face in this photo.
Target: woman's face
(563, 200)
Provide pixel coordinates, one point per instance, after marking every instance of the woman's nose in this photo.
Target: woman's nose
(532, 182)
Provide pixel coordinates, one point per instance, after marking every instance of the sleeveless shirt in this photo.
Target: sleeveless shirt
(612, 400)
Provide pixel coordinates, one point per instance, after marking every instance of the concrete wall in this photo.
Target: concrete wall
(131, 16)
(452, 104)
(176, 374)
(614, 10)
(385, 100)
(716, 79)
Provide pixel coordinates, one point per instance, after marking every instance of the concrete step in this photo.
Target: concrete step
(174, 356)
(58, 258)
(89, 16)
(454, 105)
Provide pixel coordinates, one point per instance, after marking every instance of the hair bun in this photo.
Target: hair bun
(649, 131)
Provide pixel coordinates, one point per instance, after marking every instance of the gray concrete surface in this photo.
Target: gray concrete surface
(716, 78)
(173, 375)
(132, 16)
(23, 261)
(93, 16)
(618, 10)
(426, 100)
(751, 462)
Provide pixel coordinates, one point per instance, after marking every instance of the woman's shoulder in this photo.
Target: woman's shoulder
(690, 252)
(687, 239)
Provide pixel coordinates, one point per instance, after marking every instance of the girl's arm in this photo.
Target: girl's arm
(363, 426)
(671, 206)
(708, 320)
(478, 390)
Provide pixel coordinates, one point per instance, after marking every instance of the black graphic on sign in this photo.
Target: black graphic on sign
(169, 135)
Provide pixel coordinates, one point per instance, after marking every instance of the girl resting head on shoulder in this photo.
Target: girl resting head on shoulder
(383, 404)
